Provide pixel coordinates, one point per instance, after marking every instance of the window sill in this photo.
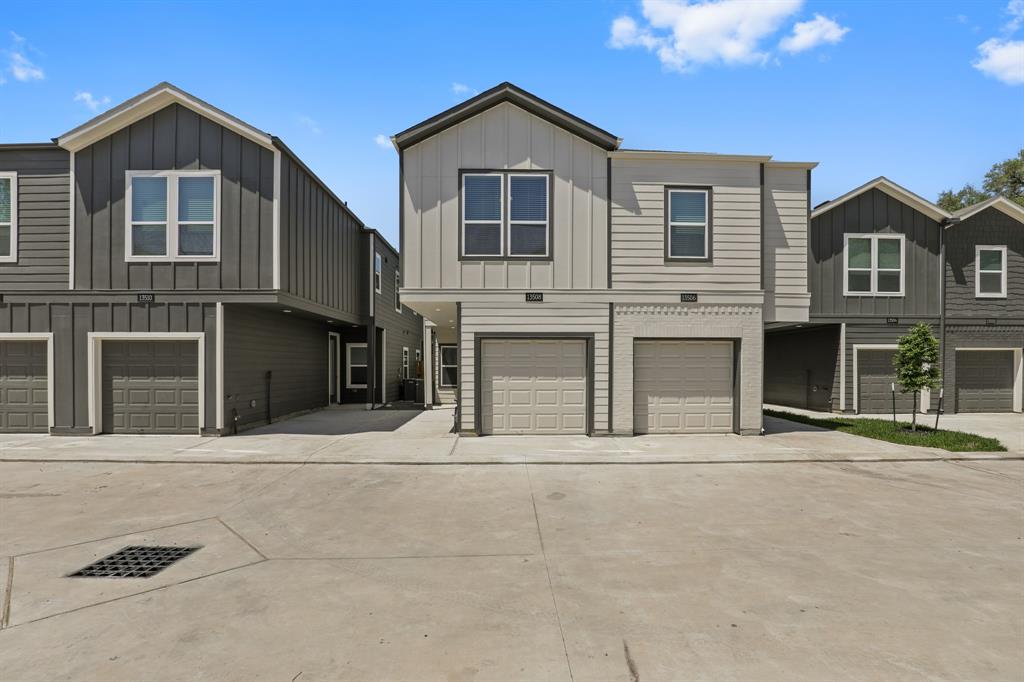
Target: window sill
(983, 296)
(354, 386)
(856, 294)
(172, 259)
(506, 259)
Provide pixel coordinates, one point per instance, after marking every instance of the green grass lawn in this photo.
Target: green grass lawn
(900, 433)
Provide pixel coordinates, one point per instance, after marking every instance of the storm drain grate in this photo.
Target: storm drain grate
(135, 561)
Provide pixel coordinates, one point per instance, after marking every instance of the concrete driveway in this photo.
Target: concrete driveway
(518, 568)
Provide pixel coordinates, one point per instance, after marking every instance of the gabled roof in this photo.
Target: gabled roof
(892, 189)
(1010, 208)
(505, 92)
(152, 100)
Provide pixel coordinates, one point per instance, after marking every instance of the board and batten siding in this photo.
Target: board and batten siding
(785, 230)
(505, 137)
(324, 248)
(175, 138)
(544, 318)
(71, 323)
(404, 329)
(43, 220)
(873, 212)
(990, 227)
(638, 224)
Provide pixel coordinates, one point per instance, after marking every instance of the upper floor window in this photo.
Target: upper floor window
(398, 299)
(874, 265)
(172, 215)
(688, 228)
(8, 217)
(378, 269)
(506, 215)
(990, 272)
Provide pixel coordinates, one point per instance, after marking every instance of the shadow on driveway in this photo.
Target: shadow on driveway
(340, 421)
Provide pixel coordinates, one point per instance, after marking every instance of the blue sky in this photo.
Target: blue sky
(928, 94)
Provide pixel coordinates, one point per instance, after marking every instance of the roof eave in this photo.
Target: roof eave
(147, 103)
(897, 192)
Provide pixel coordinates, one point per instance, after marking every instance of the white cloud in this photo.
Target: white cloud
(383, 141)
(309, 124)
(463, 89)
(809, 34)
(686, 34)
(18, 63)
(1002, 60)
(1015, 9)
(91, 102)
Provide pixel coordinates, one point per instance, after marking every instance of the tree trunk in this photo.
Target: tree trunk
(913, 414)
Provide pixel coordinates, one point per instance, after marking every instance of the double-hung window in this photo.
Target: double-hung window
(8, 217)
(688, 226)
(405, 362)
(172, 215)
(506, 215)
(355, 365)
(990, 272)
(378, 269)
(449, 366)
(874, 265)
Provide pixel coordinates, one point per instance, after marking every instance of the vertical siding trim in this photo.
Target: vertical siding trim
(842, 367)
(762, 227)
(608, 236)
(611, 355)
(220, 366)
(71, 224)
(276, 227)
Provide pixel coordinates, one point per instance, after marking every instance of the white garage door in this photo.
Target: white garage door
(682, 386)
(533, 386)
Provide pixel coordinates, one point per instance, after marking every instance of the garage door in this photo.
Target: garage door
(874, 388)
(682, 386)
(150, 387)
(533, 386)
(984, 381)
(23, 390)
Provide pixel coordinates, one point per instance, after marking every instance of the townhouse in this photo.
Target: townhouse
(168, 268)
(572, 286)
(881, 259)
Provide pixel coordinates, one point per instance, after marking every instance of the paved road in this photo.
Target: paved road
(315, 571)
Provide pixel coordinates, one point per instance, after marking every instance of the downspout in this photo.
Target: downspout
(371, 333)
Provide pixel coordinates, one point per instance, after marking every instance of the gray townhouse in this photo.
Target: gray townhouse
(168, 268)
(571, 286)
(881, 259)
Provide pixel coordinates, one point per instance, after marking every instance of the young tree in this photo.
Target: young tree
(917, 363)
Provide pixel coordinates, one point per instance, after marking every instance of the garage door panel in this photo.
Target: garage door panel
(984, 381)
(874, 383)
(24, 394)
(533, 386)
(682, 386)
(150, 386)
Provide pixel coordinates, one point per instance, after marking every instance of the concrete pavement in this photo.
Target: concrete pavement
(797, 571)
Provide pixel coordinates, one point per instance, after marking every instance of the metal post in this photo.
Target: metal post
(939, 410)
(892, 387)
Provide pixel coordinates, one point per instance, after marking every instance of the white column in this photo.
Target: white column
(428, 363)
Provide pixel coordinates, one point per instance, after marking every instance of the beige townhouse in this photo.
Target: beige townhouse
(570, 286)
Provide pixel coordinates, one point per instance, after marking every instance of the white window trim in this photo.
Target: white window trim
(405, 362)
(874, 270)
(348, 365)
(13, 177)
(501, 218)
(378, 271)
(977, 271)
(671, 224)
(398, 284)
(546, 222)
(172, 223)
(441, 365)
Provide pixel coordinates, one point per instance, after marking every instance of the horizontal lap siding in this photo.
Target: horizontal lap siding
(991, 227)
(505, 137)
(293, 349)
(541, 318)
(71, 323)
(323, 246)
(174, 138)
(638, 225)
(874, 212)
(43, 221)
(785, 230)
(403, 328)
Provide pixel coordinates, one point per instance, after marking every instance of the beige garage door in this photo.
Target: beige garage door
(682, 386)
(533, 386)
